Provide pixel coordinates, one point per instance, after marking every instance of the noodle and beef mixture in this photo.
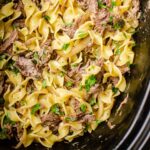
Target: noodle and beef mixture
(62, 65)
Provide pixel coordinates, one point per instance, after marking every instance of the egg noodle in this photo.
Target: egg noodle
(65, 68)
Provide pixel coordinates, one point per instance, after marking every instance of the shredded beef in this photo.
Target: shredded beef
(102, 20)
(93, 7)
(27, 67)
(1, 82)
(75, 105)
(72, 29)
(114, 80)
(94, 89)
(83, 4)
(7, 43)
(136, 7)
(20, 23)
(124, 69)
(52, 121)
(87, 118)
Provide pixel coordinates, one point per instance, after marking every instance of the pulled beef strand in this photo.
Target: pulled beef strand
(51, 120)
(79, 21)
(8, 42)
(27, 67)
(19, 23)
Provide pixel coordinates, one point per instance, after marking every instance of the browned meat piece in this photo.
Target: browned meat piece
(136, 7)
(94, 89)
(107, 2)
(101, 20)
(93, 6)
(1, 82)
(79, 21)
(83, 4)
(7, 43)
(18, 5)
(87, 118)
(20, 23)
(100, 62)
(52, 121)
(101, 17)
(75, 105)
(27, 67)
(114, 80)
(124, 69)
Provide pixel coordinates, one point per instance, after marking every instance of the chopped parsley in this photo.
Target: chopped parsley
(3, 56)
(83, 108)
(70, 119)
(117, 52)
(7, 120)
(113, 4)
(10, 66)
(62, 74)
(100, 4)
(82, 34)
(111, 19)
(36, 57)
(98, 122)
(90, 82)
(35, 108)
(1, 101)
(56, 109)
(119, 24)
(87, 126)
(129, 64)
(92, 101)
(44, 84)
(65, 46)
(69, 24)
(3, 134)
(69, 84)
(115, 90)
(47, 18)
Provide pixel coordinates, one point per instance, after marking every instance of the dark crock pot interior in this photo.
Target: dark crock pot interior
(134, 112)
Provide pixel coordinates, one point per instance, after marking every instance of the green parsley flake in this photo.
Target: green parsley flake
(82, 34)
(129, 64)
(3, 134)
(83, 108)
(69, 84)
(36, 57)
(101, 5)
(7, 120)
(44, 84)
(113, 4)
(1, 101)
(70, 119)
(87, 126)
(92, 101)
(11, 67)
(117, 52)
(3, 56)
(56, 110)
(35, 108)
(47, 18)
(98, 122)
(111, 19)
(69, 24)
(115, 90)
(65, 46)
(91, 81)
(119, 24)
